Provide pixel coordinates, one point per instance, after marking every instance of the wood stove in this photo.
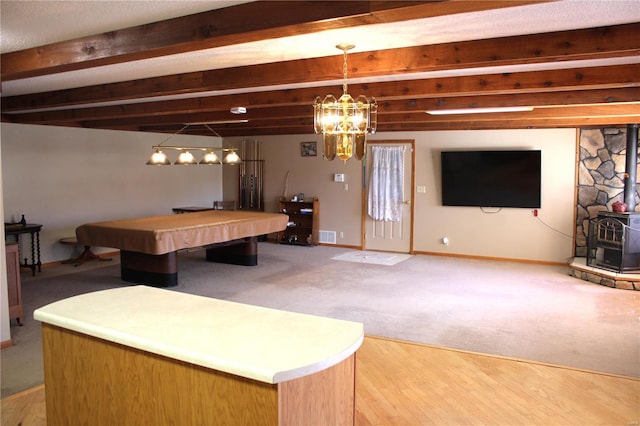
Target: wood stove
(614, 242)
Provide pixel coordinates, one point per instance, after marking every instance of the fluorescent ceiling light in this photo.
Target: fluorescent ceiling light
(479, 110)
(238, 110)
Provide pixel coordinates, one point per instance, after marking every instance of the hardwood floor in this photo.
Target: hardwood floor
(26, 408)
(402, 383)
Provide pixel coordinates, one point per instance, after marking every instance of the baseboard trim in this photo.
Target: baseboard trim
(6, 344)
(499, 259)
(341, 246)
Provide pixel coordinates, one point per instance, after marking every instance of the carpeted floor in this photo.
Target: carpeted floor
(533, 312)
(372, 257)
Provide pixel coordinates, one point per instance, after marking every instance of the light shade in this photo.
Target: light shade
(158, 158)
(232, 158)
(345, 122)
(185, 159)
(210, 157)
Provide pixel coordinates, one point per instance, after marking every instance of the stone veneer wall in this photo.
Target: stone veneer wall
(601, 169)
(612, 281)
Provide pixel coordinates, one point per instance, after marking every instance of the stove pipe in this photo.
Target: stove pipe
(631, 167)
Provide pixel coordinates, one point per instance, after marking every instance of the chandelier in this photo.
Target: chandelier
(186, 158)
(345, 122)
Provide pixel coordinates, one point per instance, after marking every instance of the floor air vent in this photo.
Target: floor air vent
(327, 237)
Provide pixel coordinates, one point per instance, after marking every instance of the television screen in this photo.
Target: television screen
(491, 178)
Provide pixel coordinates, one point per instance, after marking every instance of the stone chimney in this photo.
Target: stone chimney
(631, 167)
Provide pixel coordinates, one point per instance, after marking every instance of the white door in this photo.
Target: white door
(386, 235)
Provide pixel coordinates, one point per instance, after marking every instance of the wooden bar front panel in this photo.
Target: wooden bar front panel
(324, 398)
(90, 381)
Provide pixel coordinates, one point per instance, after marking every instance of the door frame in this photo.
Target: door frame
(412, 143)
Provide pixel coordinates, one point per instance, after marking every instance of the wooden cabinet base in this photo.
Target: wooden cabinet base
(14, 282)
(93, 381)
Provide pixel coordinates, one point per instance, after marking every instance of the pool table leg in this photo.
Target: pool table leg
(155, 270)
(243, 251)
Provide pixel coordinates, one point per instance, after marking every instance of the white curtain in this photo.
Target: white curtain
(386, 183)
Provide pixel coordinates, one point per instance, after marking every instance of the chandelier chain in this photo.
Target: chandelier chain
(344, 72)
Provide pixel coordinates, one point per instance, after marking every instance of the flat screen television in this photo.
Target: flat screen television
(491, 178)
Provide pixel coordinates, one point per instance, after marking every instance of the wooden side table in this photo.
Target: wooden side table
(17, 229)
(86, 255)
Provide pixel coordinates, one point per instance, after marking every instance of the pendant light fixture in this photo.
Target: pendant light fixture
(186, 158)
(345, 122)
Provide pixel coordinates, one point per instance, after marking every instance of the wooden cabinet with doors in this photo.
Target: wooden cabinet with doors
(302, 228)
(14, 283)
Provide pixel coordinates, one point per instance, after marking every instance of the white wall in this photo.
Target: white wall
(64, 177)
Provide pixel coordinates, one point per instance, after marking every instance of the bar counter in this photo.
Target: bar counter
(142, 355)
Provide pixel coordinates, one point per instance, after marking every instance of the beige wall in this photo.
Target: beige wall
(340, 209)
(63, 177)
(5, 331)
(508, 233)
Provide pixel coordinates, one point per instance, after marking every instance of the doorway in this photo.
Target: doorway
(387, 235)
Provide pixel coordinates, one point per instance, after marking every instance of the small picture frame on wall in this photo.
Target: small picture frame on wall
(308, 149)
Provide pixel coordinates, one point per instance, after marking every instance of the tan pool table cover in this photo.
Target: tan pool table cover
(165, 234)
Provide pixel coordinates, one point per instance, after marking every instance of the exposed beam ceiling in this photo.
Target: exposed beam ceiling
(580, 69)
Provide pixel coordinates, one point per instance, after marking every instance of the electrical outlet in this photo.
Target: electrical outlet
(341, 234)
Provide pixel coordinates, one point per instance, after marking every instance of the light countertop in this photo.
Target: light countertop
(259, 343)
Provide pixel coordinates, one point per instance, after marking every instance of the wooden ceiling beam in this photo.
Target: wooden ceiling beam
(622, 111)
(595, 43)
(556, 81)
(618, 114)
(286, 112)
(629, 112)
(573, 97)
(443, 125)
(222, 27)
(509, 124)
(618, 76)
(438, 125)
(577, 98)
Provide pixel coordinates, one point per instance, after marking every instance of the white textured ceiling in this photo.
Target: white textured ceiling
(31, 23)
(27, 24)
